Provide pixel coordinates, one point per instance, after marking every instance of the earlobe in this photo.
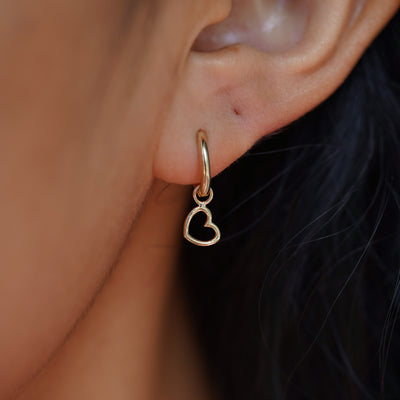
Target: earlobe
(242, 92)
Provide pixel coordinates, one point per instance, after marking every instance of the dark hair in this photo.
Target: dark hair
(300, 299)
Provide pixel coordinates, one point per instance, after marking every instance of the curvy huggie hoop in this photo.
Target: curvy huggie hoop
(205, 161)
(202, 190)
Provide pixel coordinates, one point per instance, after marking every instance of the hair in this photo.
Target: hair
(300, 299)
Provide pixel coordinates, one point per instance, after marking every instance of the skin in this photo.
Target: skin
(100, 105)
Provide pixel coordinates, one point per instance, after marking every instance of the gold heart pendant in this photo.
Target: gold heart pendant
(209, 224)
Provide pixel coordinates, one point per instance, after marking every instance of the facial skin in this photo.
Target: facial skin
(85, 87)
(99, 100)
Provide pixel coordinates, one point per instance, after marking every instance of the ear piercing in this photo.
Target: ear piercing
(202, 195)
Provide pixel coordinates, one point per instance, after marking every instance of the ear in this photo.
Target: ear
(266, 65)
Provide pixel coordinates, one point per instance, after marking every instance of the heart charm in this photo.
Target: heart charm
(209, 224)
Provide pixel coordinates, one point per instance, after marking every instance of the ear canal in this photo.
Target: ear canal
(269, 25)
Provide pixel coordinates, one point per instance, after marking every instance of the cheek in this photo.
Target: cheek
(71, 181)
(78, 127)
(54, 255)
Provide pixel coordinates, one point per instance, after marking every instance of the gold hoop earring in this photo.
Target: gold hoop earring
(204, 191)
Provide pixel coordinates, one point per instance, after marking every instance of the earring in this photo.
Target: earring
(204, 191)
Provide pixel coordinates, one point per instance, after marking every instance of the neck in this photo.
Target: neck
(136, 341)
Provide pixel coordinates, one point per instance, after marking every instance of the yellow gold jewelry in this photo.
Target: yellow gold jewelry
(204, 191)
